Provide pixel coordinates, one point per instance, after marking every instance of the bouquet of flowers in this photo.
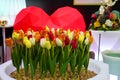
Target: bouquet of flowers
(50, 51)
(105, 18)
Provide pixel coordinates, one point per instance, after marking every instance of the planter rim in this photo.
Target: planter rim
(102, 72)
(111, 51)
(3, 70)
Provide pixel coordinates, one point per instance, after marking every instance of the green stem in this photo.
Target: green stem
(83, 50)
(69, 49)
(62, 52)
(26, 63)
(53, 51)
(31, 65)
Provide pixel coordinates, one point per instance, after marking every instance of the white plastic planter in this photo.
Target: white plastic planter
(100, 68)
(112, 58)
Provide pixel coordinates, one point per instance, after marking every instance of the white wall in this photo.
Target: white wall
(109, 40)
(10, 8)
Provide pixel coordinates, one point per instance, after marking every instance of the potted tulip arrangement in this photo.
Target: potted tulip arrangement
(50, 51)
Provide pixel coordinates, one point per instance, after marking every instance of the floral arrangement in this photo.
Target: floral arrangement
(105, 18)
(49, 48)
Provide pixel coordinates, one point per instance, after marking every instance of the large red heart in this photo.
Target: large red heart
(36, 18)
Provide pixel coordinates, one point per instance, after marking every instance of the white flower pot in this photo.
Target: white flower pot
(100, 68)
(112, 58)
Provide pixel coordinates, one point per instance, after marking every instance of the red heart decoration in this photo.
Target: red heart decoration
(68, 18)
(36, 19)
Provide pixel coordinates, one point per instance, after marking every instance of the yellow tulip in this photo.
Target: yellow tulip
(28, 44)
(81, 38)
(25, 39)
(87, 34)
(15, 35)
(68, 32)
(48, 45)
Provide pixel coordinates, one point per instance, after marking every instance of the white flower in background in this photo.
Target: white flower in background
(110, 2)
(32, 40)
(108, 23)
(42, 42)
(58, 42)
(101, 9)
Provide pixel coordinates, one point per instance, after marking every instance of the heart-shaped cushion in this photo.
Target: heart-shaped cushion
(36, 18)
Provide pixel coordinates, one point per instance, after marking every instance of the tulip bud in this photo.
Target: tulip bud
(48, 45)
(25, 39)
(67, 41)
(58, 42)
(15, 35)
(42, 42)
(86, 41)
(28, 44)
(32, 40)
(74, 43)
(81, 37)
